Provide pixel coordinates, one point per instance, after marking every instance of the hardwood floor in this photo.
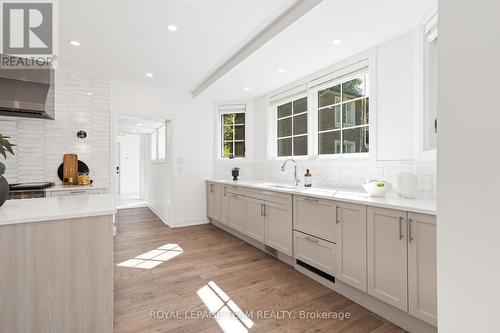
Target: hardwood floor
(254, 280)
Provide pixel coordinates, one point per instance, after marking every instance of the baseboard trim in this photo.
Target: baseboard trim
(190, 222)
(158, 214)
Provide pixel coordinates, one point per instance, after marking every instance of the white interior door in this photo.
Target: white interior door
(130, 164)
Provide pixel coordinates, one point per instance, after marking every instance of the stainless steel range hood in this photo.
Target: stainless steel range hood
(27, 93)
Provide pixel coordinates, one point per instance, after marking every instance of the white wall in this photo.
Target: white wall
(468, 234)
(130, 163)
(394, 108)
(191, 152)
(42, 143)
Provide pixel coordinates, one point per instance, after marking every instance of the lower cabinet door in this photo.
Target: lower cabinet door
(387, 256)
(351, 245)
(218, 198)
(210, 200)
(279, 227)
(255, 219)
(422, 275)
(315, 252)
(235, 211)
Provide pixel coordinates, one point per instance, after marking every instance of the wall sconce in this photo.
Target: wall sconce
(81, 134)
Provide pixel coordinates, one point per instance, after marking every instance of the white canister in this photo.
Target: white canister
(407, 185)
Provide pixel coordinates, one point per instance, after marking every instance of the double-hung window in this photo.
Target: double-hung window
(343, 124)
(232, 129)
(291, 136)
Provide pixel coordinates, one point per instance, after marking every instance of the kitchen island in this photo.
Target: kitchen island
(56, 264)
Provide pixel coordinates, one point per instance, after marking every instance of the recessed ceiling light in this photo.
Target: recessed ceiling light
(89, 94)
(281, 70)
(139, 124)
(172, 27)
(133, 131)
(74, 43)
(149, 74)
(337, 42)
(246, 88)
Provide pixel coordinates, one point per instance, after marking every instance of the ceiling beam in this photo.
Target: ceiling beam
(292, 14)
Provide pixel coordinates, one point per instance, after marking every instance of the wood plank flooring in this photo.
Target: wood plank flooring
(254, 280)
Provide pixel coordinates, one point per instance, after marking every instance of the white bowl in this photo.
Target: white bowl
(377, 188)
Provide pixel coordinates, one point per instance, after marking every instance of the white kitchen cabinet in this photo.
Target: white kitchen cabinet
(351, 245)
(235, 212)
(315, 217)
(387, 256)
(215, 202)
(422, 275)
(279, 227)
(255, 219)
(315, 252)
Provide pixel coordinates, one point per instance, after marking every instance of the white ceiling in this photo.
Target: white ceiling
(136, 125)
(306, 46)
(125, 39)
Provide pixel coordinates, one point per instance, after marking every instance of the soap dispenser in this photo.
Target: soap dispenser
(307, 179)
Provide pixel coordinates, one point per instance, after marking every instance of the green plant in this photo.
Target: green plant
(5, 146)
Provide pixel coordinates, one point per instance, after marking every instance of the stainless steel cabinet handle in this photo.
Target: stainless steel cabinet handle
(76, 192)
(401, 219)
(410, 237)
(261, 210)
(311, 199)
(211, 188)
(312, 239)
(338, 215)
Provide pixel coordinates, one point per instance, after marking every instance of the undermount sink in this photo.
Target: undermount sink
(280, 186)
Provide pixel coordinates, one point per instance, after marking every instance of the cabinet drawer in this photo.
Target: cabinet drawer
(76, 192)
(315, 252)
(315, 217)
(231, 189)
(280, 198)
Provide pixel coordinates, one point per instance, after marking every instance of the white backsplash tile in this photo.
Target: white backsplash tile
(41, 144)
(345, 173)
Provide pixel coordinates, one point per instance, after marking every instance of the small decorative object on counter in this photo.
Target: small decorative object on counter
(83, 178)
(5, 147)
(235, 172)
(407, 185)
(377, 188)
(70, 169)
(307, 179)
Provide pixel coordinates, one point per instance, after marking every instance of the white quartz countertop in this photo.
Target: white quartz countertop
(56, 208)
(391, 201)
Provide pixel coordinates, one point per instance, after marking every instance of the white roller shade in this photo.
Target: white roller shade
(359, 67)
(288, 94)
(232, 108)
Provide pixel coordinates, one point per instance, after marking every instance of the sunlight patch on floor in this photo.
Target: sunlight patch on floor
(229, 317)
(154, 257)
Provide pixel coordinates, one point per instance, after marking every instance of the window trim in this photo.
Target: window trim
(428, 26)
(367, 61)
(293, 115)
(331, 83)
(274, 122)
(158, 160)
(229, 108)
